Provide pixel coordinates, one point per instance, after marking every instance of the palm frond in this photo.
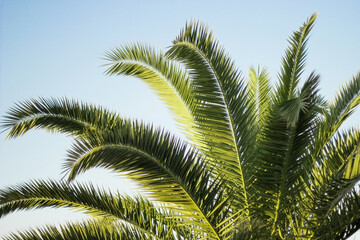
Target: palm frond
(293, 62)
(283, 154)
(135, 211)
(90, 229)
(260, 92)
(165, 77)
(343, 221)
(222, 106)
(329, 183)
(56, 115)
(166, 169)
(260, 163)
(344, 104)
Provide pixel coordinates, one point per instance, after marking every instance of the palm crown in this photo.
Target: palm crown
(260, 162)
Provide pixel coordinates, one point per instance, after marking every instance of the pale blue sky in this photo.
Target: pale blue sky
(55, 49)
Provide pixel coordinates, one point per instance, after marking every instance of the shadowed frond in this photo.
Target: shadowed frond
(283, 153)
(329, 183)
(166, 169)
(343, 220)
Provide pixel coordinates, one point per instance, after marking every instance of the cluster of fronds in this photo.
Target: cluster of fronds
(261, 162)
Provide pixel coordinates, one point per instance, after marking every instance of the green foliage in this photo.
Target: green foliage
(259, 162)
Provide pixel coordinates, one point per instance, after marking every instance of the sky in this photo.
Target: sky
(56, 49)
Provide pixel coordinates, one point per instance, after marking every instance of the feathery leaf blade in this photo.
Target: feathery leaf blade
(222, 106)
(168, 80)
(135, 211)
(293, 62)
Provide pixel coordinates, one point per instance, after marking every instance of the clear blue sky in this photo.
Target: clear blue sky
(55, 49)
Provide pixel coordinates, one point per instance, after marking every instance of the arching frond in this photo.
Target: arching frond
(91, 230)
(169, 81)
(168, 169)
(57, 115)
(261, 163)
(223, 111)
(344, 104)
(135, 211)
(343, 221)
(329, 184)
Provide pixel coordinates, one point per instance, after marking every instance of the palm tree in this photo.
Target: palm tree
(259, 162)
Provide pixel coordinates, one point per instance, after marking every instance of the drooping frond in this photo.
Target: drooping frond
(261, 163)
(168, 169)
(137, 212)
(91, 230)
(223, 114)
(169, 81)
(56, 115)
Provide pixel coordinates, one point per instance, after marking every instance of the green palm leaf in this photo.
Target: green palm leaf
(329, 184)
(260, 92)
(166, 78)
(337, 112)
(343, 220)
(222, 107)
(137, 212)
(283, 153)
(92, 230)
(260, 163)
(56, 115)
(167, 169)
(293, 62)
